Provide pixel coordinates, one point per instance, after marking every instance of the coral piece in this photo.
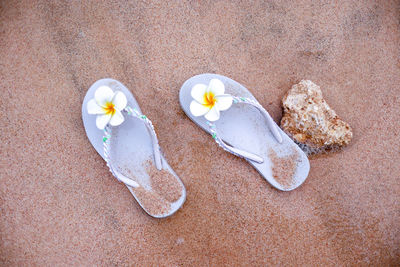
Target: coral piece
(310, 121)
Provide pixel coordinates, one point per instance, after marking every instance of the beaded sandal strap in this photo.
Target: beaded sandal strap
(106, 148)
(270, 122)
(133, 112)
(238, 152)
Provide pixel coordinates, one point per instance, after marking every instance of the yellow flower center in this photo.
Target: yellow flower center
(109, 108)
(209, 100)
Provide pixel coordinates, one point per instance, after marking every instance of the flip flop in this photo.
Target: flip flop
(126, 140)
(244, 128)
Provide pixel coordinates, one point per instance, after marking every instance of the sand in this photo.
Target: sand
(164, 183)
(152, 202)
(283, 168)
(162, 191)
(60, 205)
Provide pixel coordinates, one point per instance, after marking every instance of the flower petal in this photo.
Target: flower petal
(198, 109)
(119, 100)
(198, 92)
(102, 120)
(117, 118)
(213, 114)
(94, 108)
(103, 94)
(216, 87)
(224, 102)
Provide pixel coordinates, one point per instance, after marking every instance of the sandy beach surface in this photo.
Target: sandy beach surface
(59, 204)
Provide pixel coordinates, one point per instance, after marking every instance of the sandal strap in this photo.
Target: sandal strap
(133, 112)
(270, 122)
(106, 149)
(231, 149)
(238, 152)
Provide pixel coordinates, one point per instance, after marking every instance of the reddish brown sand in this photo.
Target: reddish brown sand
(152, 202)
(283, 168)
(60, 205)
(164, 183)
(164, 189)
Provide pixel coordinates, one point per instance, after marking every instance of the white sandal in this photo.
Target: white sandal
(242, 131)
(130, 147)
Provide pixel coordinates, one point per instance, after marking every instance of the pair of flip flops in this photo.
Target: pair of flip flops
(126, 139)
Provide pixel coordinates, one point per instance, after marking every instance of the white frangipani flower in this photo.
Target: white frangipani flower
(107, 105)
(209, 100)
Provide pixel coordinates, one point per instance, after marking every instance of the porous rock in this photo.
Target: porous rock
(310, 121)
